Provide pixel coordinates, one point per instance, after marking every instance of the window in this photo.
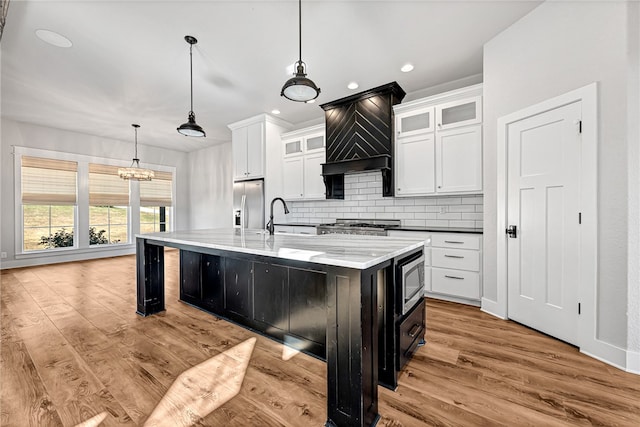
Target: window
(156, 203)
(48, 197)
(108, 206)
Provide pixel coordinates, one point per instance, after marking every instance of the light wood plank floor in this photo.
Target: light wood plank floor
(73, 349)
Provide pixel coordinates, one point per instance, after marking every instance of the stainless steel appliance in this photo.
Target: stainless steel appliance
(371, 227)
(248, 204)
(412, 275)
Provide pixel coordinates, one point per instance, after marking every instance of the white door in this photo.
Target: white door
(543, 203)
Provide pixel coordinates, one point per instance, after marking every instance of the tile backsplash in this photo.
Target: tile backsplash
(363, 199)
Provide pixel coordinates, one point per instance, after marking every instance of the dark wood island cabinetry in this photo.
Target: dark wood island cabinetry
(332, 298)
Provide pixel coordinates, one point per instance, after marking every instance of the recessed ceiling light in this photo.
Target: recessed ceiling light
(275, 111)
(352, 85)
(406, 68)
(53, 38)
(311, 101)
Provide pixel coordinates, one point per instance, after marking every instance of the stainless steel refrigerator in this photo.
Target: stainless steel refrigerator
(248, 204)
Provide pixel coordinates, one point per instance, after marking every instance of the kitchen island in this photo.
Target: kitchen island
(335, 297)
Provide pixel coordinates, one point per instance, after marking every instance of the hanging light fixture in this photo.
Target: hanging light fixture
(191, 128)
(135, 172)
(299, 88)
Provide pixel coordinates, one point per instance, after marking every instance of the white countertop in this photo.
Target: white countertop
(340, 250)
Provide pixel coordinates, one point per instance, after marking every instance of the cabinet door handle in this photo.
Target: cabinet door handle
(453, 256)
(453, 241)
(414, 330)
(453, 277)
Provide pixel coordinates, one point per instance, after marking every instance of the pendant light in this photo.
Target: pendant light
(299, 88)
(135, 172)
(191, 128)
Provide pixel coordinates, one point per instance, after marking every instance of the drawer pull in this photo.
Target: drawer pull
(453, 277)
(453, 256)
(414, 330)
(453, 241)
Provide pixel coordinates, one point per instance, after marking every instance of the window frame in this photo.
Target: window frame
(81, 219)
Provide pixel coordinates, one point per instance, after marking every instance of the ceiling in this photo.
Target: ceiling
(129, 62)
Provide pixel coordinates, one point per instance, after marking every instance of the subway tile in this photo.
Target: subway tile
(375, 184)
(351, 203)
(449, 216)
(432, 208)
(479, 208)
(436, 223)
(359, 197)
(463, 224)
(479, 224)
(367, 191)
(384, 215)
(375, 196)
(414, 208)
(384, 202)
(472, 216)
(375, 209)
(403, 216)
(425, 215)
(462, 208)
(423, 201)
(449, 200)
(414, 223)
(404, 202)
(394, 209)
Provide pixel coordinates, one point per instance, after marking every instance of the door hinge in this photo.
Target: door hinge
(579, 217)
(579, 126)
(579, 308)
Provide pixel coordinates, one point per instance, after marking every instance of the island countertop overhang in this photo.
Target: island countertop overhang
(350, 251)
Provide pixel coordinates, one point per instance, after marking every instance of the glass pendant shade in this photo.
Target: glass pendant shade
(299, 88)
(191, 128)
(135, 172)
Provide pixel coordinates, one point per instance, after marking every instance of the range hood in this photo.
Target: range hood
(359, 134)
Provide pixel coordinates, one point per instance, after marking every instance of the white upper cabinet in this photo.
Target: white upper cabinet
(248, 151)
(459, 155)
(313, 182)
(304, 154)
(438, 144)
(414, 122)
(415, 165)
(462, 112)
(293, 173)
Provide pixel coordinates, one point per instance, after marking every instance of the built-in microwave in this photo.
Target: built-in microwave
(412, 276)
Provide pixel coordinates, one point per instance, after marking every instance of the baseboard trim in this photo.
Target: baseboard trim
(32, 262)
(493, 308)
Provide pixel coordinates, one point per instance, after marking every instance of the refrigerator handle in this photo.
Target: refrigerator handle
(242, 211)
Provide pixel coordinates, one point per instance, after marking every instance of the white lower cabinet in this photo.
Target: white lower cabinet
(453, 264)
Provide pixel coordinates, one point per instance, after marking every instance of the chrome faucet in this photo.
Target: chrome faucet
(270, 225)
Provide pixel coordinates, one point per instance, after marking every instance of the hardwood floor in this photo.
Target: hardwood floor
(74, 351)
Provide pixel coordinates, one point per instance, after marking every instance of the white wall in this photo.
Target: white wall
(558, 47)
(210, 187)
(28, 135)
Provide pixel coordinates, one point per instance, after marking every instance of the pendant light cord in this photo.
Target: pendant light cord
(300, 29)
(191, 73)
(135, 149)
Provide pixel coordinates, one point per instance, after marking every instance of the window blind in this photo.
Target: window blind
(106, 188)
(158, 191)
(48, 181)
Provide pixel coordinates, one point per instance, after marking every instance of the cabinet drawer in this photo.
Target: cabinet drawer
(460, 259)
(412, 329)
(464, 284)
(457, 241)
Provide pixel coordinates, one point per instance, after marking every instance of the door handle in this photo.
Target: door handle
(512, 231)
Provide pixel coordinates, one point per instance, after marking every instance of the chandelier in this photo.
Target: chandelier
(135, 172)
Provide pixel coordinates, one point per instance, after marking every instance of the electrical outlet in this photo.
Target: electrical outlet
(443, 209)
(3, 255)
